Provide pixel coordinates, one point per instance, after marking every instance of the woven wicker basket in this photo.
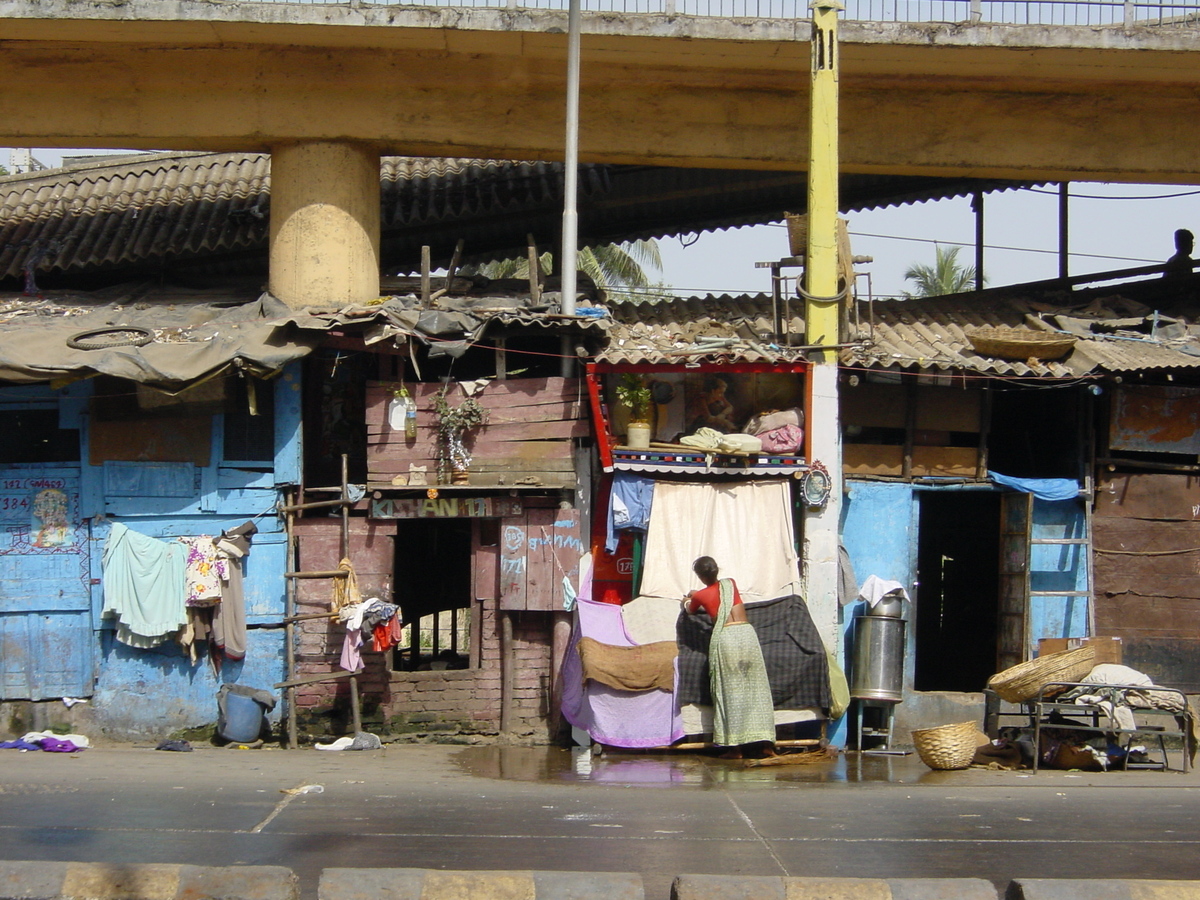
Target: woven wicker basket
(1023, 681)
(1020, 343)
(947, 746)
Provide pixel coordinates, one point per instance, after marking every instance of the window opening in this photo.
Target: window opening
(1035, 433)
(250, 438)
(334, 411)
(33, 436)
(433, 567)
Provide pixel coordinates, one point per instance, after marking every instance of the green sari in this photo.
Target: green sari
(742, 709)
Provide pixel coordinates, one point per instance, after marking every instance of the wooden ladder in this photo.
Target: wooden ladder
(1016, 562)
(291, 617)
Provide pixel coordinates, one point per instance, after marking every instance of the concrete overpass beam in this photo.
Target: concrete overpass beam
(325, 223)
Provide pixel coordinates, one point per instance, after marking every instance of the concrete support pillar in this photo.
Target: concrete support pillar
(324, 224)
(821, 526)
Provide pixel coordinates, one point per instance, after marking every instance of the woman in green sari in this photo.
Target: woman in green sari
(743, 714)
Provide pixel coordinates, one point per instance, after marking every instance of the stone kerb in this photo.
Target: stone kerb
(1076, 889)
(435, 884)
(730, 887)
(106, 881)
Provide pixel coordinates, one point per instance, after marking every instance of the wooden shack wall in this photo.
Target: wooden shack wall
(464, 701)
(528, 438)
(1146, 538)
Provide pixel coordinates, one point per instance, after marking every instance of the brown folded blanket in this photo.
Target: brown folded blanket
(642, 668)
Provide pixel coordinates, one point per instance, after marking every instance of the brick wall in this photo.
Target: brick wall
(422, 705)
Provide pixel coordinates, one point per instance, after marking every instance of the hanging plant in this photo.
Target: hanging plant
(453, 423)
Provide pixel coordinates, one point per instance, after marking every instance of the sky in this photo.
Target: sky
(1128, 226)
(1111, 226)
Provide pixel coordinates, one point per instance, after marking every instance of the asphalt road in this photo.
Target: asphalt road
(533, 808)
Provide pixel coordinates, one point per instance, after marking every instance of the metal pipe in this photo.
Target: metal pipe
(289, 636)
(1063, 233)
(570, 229)
(977, 206)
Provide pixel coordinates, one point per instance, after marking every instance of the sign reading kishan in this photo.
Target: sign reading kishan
(445, 508)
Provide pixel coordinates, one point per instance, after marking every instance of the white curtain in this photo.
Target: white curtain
(745, 526)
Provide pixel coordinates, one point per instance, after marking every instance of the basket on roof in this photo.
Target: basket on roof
(947, 746)
(1024, 681)
(1020, 343)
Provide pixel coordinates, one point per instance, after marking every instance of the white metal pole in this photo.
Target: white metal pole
(570, 229)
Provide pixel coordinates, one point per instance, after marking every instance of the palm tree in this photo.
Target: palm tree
(618, 268)
(945, 276)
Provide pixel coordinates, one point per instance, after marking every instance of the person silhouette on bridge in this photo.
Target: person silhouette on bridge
(1180, 265)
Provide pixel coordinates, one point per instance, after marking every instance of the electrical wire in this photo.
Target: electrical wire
(1104, 197)
(1146, 552)
(892, 237)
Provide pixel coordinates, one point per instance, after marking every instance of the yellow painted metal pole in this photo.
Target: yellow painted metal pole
(822, 313)
(822, 300)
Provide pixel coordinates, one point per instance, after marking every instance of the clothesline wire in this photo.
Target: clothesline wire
(1147, 552)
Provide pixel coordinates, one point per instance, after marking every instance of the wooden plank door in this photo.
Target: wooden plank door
(536, 551)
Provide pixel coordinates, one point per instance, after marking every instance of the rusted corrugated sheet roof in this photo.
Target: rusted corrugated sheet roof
(700, 328)
(181, 213)
(929, 334)
(932, 333)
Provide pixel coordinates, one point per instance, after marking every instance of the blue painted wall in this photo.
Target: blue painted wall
(150, 693)
(879, 532)
(1058, 567)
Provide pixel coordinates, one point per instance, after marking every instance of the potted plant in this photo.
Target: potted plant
(634, 394)
(453, 423)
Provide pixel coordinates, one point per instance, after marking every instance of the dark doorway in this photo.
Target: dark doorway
(433, 590)
(958, 549)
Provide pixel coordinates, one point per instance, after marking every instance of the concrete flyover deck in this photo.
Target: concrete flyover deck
(1005, 101)
(622, 820)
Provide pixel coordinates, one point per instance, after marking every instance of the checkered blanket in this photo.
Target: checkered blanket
(792, 650)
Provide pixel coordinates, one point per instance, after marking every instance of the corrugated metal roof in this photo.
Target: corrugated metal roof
(133, 216)
(928, 334)
(145, 209)
(932, 333)
(681, 330)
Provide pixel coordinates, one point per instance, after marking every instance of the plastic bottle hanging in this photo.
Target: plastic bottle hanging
(410, 415)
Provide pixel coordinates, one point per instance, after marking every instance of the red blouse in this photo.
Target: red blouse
(710, 598)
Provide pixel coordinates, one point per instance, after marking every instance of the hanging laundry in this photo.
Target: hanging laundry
(205, 571)
(143, 583)
(371, 618)
(345, 590)
(229, 618)
(198, 629)
(388, 634)
(628, 505)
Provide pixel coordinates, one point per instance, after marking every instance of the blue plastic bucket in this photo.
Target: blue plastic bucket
(243, 718)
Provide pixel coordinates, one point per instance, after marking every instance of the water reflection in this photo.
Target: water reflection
(579, 765)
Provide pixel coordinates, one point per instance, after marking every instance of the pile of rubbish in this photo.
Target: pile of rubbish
(48, 741)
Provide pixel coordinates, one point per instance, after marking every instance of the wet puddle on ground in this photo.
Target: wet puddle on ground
(580, 765)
